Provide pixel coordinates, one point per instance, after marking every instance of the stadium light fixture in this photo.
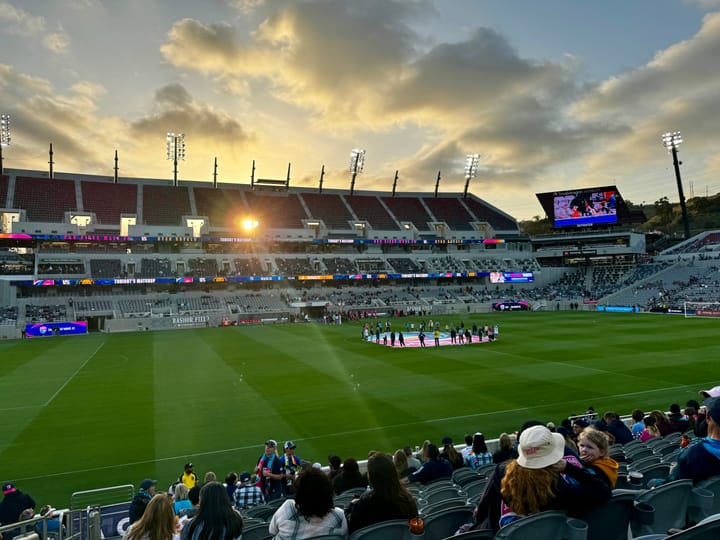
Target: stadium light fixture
(671, 141)
(4, 137)
(175, 151)
(471, 167)
(357, 163)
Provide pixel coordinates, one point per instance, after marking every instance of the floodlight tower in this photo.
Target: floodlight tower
(672, 140)
(357, 162)
(471, 167)
(4, 137)
(175, 151)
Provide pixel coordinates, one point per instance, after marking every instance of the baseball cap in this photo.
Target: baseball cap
(446, 440)
(289, 444)
(147, 484)
(188, 465)
(8, 487)
(582, 423)
(271, 442)
(540, 448)
(713, 407)
(712, 393)
(245, 477)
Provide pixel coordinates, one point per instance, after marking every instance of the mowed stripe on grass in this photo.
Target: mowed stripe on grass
(128, 406)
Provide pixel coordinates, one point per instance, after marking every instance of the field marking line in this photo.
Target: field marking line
(73, 375)
(352, 432)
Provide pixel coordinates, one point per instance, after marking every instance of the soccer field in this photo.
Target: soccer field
(86, 412)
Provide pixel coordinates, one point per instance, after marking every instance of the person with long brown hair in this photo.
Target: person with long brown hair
(216, 519)
(540, 479)
(158, 522)
(388, 499)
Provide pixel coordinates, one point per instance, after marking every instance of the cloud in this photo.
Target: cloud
(17, 21)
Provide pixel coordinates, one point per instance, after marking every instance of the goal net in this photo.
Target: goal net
(701, 309)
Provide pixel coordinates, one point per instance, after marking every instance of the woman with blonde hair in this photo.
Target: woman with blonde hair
(158, 522)
(181, 498)
(401, 463)
(540, 479)
(594, 450)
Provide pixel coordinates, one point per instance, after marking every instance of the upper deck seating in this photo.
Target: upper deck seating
(368, 208)
(223, 206)
(409, 209)
(248, 267)
(451, 211)
(493, 217)
(277, 212)
(165, 205)
(108, 201)
(44, 199)
(155, 268)
(329, 208)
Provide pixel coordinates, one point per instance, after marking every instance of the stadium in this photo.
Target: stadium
(148, 323)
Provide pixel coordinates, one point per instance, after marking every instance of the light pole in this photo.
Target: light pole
(4, 137)
(357, 162)
(471, 166)
(175, 151)
(672, 140)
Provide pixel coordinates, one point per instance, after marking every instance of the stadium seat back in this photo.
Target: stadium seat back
(671, 502)
(439, 525)
(385, 530)
(257, 532)
(549, 524)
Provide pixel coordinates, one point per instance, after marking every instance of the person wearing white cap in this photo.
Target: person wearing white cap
(540, 479)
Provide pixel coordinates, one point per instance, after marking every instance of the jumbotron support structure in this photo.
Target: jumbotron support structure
(671, 141)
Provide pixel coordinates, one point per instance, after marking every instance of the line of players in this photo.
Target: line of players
(458, 335)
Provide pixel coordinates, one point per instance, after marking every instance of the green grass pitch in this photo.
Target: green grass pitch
(80, 413)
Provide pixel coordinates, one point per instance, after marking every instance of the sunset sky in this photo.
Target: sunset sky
(552, 95)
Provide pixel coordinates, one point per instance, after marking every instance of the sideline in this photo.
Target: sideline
(73, 375)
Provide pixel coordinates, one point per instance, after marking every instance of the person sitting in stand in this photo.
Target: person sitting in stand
(594, 449)
(433, 469)
(349, 478)
(141, 499)
(448, 452)
(247, 494)
(311, 513)
(479, 455)
(388, 499)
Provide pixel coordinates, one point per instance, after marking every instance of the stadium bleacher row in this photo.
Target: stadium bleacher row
(47, 200)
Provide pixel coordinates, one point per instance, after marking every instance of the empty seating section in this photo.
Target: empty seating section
(15, 264)
(295, 267)
(223, 206)
(254, 303)
(60, 267)
(451, 211)
(45, 313)
(202, 267)
(404, 265)
(3, 190)
(248, 267)
(108, 201)
(45, 199)
(154, 268)
(8, 316)
(339, 265)
(165, 205)
(409, 209)
(495, 218)
(329, 208)
(368, 208)
(105, 268)
(88, 308)
(276, 212)
(194, 304)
